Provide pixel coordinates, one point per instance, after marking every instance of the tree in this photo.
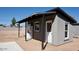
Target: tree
(13, 21)
(2, 25)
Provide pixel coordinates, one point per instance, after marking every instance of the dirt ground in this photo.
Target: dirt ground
(11, 34)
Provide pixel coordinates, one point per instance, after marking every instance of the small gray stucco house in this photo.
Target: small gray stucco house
(53, 26)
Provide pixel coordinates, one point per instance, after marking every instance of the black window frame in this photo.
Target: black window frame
(37, 26)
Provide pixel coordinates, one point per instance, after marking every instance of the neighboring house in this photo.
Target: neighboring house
(53, 26)
(75, 30)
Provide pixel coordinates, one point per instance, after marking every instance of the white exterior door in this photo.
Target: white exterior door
(48, 31)
(29, 31)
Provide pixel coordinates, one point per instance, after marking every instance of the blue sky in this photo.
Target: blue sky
(7, 13)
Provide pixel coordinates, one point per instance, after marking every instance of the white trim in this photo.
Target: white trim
(67, 32)
(39, 26)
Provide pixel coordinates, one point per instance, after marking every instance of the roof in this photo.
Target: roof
(75, 24)
(35, 15)
(55, 10)
(59, 10)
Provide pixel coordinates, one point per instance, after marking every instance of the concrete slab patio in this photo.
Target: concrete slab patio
(34, 45)
(10, 46)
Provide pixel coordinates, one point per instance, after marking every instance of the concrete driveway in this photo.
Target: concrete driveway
(10, 46)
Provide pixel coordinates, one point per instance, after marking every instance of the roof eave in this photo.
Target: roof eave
(21, 21)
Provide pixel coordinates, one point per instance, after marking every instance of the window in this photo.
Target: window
(36, 26)
(66, 30)
(49, 27)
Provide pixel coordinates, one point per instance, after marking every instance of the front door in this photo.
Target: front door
(30, 29)
(48, 31)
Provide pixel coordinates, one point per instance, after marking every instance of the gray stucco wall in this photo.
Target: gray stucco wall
(54, 31)
(58, 31)
(71, 33)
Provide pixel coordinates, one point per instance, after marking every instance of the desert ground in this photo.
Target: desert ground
(11, 35)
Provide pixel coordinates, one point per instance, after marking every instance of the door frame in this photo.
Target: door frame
(48, 21)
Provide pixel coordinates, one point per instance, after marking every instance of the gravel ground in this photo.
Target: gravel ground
(11, 35)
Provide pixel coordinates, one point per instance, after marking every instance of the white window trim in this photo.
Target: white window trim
(34, 26)
(67, 32)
